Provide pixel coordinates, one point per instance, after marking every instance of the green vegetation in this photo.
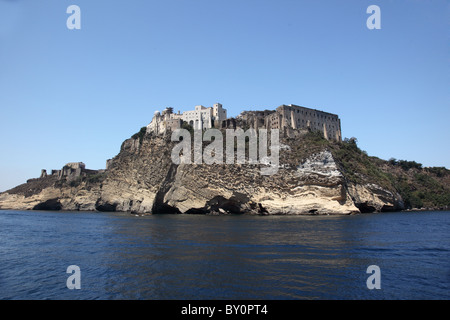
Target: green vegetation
(438, 171)
(405, 165)
(316, 138)
(423, 190)
(419, 187)
(76, 182)
(301, 148)
(140, 135)
(96, 178)
(358, 167)
(188, 127)
(91, 179)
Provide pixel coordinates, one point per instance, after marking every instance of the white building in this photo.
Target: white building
(199, 118)
(203, 118)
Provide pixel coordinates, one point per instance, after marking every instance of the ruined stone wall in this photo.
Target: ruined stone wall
(173, 124)
(256, 119)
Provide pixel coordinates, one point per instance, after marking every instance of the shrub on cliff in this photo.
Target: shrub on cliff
(140, 135)
(96, 178)
(438, 171)
(188, 127)
(357, 166)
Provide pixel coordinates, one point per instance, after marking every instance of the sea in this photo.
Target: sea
(55, 255)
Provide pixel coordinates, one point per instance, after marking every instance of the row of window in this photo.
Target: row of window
(314, 114)
(195, 116)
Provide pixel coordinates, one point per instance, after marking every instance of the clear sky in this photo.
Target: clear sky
(75, 95)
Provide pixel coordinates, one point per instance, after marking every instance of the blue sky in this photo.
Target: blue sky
(75, 95)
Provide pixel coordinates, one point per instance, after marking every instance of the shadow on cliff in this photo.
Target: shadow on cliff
(50, 205)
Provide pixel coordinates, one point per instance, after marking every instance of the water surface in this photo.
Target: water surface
(122, 256)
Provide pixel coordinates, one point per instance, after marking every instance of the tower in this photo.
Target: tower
(218, 112)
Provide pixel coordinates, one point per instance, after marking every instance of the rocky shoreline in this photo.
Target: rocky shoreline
(142, 179)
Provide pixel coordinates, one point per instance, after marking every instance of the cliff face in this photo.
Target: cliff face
(143, 179)
(242, 189)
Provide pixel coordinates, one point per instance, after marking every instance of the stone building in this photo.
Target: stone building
(295, 117)
(70, 171)
(162, 122)
(199, 118)
(284, 117)
(205, 118)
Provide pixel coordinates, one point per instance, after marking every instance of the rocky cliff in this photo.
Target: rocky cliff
(315, 176)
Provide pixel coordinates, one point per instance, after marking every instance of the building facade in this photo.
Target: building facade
(285, 116)
(200, 118)
(297, 117)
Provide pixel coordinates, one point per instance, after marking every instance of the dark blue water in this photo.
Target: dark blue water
(224, 257)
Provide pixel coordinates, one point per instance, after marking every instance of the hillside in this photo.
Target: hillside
(315, 176)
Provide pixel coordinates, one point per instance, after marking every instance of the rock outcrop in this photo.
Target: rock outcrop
(143, 179)
(372, 198)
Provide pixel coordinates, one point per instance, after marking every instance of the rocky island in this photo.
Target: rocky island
(318, 173)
